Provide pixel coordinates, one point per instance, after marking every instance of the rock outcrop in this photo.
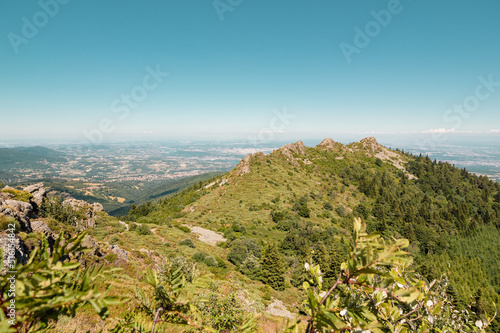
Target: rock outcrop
(290, 149)
(327, 143)
(244, 166)
(120, 253)
(43, 228)
(90, 243)
(20, 210)
(85, 209)
(39, 193)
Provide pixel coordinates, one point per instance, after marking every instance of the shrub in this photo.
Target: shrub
(341, 211)
(183, 228)
(51, 290)
(220, 262)
(111, 257)
(18, 194)
(221, 312)
(241, 249)
(113, 240)
(210, 261)
(199, 257)
(327, 206)
(143, 230)
(251, 267)
(187, 242)
(6, 222)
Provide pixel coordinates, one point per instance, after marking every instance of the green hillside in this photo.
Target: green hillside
(28, 157)
(304, 199)
(118, 197)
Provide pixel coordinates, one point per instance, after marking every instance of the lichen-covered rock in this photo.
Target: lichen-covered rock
(120, 253)
(20, 210)
(42, 227)
(39, 193)
(12, 248)
(97, 207)
(85, 209)
(90, 243)
(5, 196)
(290, 149)
(244, 166)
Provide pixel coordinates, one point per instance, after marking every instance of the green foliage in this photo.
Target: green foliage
(143, 230)
(48, 287)
(53, 208)
(183, 228)
(377, 292)
(111, 257)
(273, 268)
(241, 249)
(251, 267)
(18, 194)
(221, 311)
(328, 206)
(8, 222)
(341, 211)
(300, 207)
(169, 303)
(187, 242)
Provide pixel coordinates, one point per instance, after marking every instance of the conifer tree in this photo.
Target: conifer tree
(273, 268)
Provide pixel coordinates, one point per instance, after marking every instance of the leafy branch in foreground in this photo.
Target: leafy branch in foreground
(49, 286)
(376, 292)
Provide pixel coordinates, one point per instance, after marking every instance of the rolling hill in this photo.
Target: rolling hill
(303, 199)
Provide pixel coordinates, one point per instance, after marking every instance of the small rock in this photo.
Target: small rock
(120, 253)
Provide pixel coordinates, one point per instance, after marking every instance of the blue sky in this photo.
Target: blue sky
(228, 77)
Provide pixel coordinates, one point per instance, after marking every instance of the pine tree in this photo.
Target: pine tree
(273, 268)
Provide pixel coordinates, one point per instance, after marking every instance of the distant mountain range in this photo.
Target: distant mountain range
(28, 157)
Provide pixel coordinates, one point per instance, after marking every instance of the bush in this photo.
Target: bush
(220, 262)
(18, 194)
(143, 230)
(251, 267)
(327, 206)
(199, 257)
(6, 222)
(183, 228)
(241, 249)
(221, 312)
(341, 211)
(111, 257)
(210, 261)
(187, 242)
(114, 240)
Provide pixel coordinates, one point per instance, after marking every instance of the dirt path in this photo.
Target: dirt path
(125, 224)
(154, 233)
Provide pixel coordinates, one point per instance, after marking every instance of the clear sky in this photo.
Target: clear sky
(343, 66)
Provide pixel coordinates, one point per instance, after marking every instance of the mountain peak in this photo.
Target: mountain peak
(371, 144)
(328, 142)
(297, 147)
